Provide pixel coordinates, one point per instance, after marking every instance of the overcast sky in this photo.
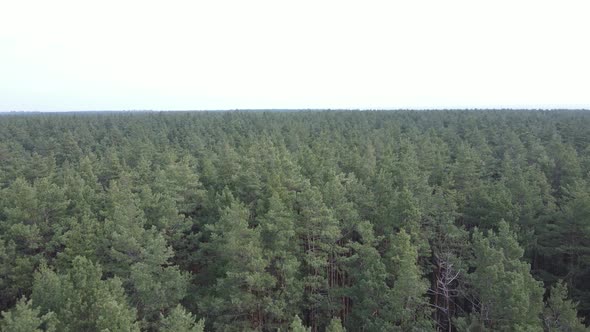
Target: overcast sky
(185, 55)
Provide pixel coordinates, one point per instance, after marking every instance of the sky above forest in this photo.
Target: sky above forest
(195, 55)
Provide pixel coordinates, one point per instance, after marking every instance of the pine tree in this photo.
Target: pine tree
(26, 235)
(368, 291)
(179, 320)
(139, 256)
(25, 318)
(410, 307)
(319, 233)
(280, 245)
(335, 326)
(180, 182)
(240, 294)
(81, 300)
(560, 313)
(156, 289)
(571, 242)
(507, 296)
(297, 326)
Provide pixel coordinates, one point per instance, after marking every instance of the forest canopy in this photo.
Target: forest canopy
(295, 221)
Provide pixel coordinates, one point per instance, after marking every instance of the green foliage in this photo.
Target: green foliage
(279, 242)
(335, 326)
(560, 313)
(410, 307)
(297, 326)
(240, 293)
(319, 232)
(179, 320)
(285, 220)
(82, 301)
(371, 295)
(507, 297)
(156, 289)
(25, 318)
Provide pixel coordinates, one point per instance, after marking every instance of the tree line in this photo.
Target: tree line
(295, 221)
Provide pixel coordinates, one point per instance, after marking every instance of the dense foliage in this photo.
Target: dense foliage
(298, 221)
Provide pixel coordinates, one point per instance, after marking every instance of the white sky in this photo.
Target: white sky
(128, 55)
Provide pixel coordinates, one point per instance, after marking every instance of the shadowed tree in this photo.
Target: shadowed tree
(560, 313)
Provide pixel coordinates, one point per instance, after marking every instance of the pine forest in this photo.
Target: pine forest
(446, 220)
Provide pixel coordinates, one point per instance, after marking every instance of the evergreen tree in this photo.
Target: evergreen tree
(33, 219)
(410, 307)
(179, 320)
(279, 242)
(139, 256)
(25, 318)
(368, 292)
(297, 326)
(82, 301)
(507, 297)
(335, 326)
(156, 289)
(319, 233)
(240, 294)
(560, 313)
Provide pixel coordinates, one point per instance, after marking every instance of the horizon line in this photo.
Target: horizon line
(311, 109)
